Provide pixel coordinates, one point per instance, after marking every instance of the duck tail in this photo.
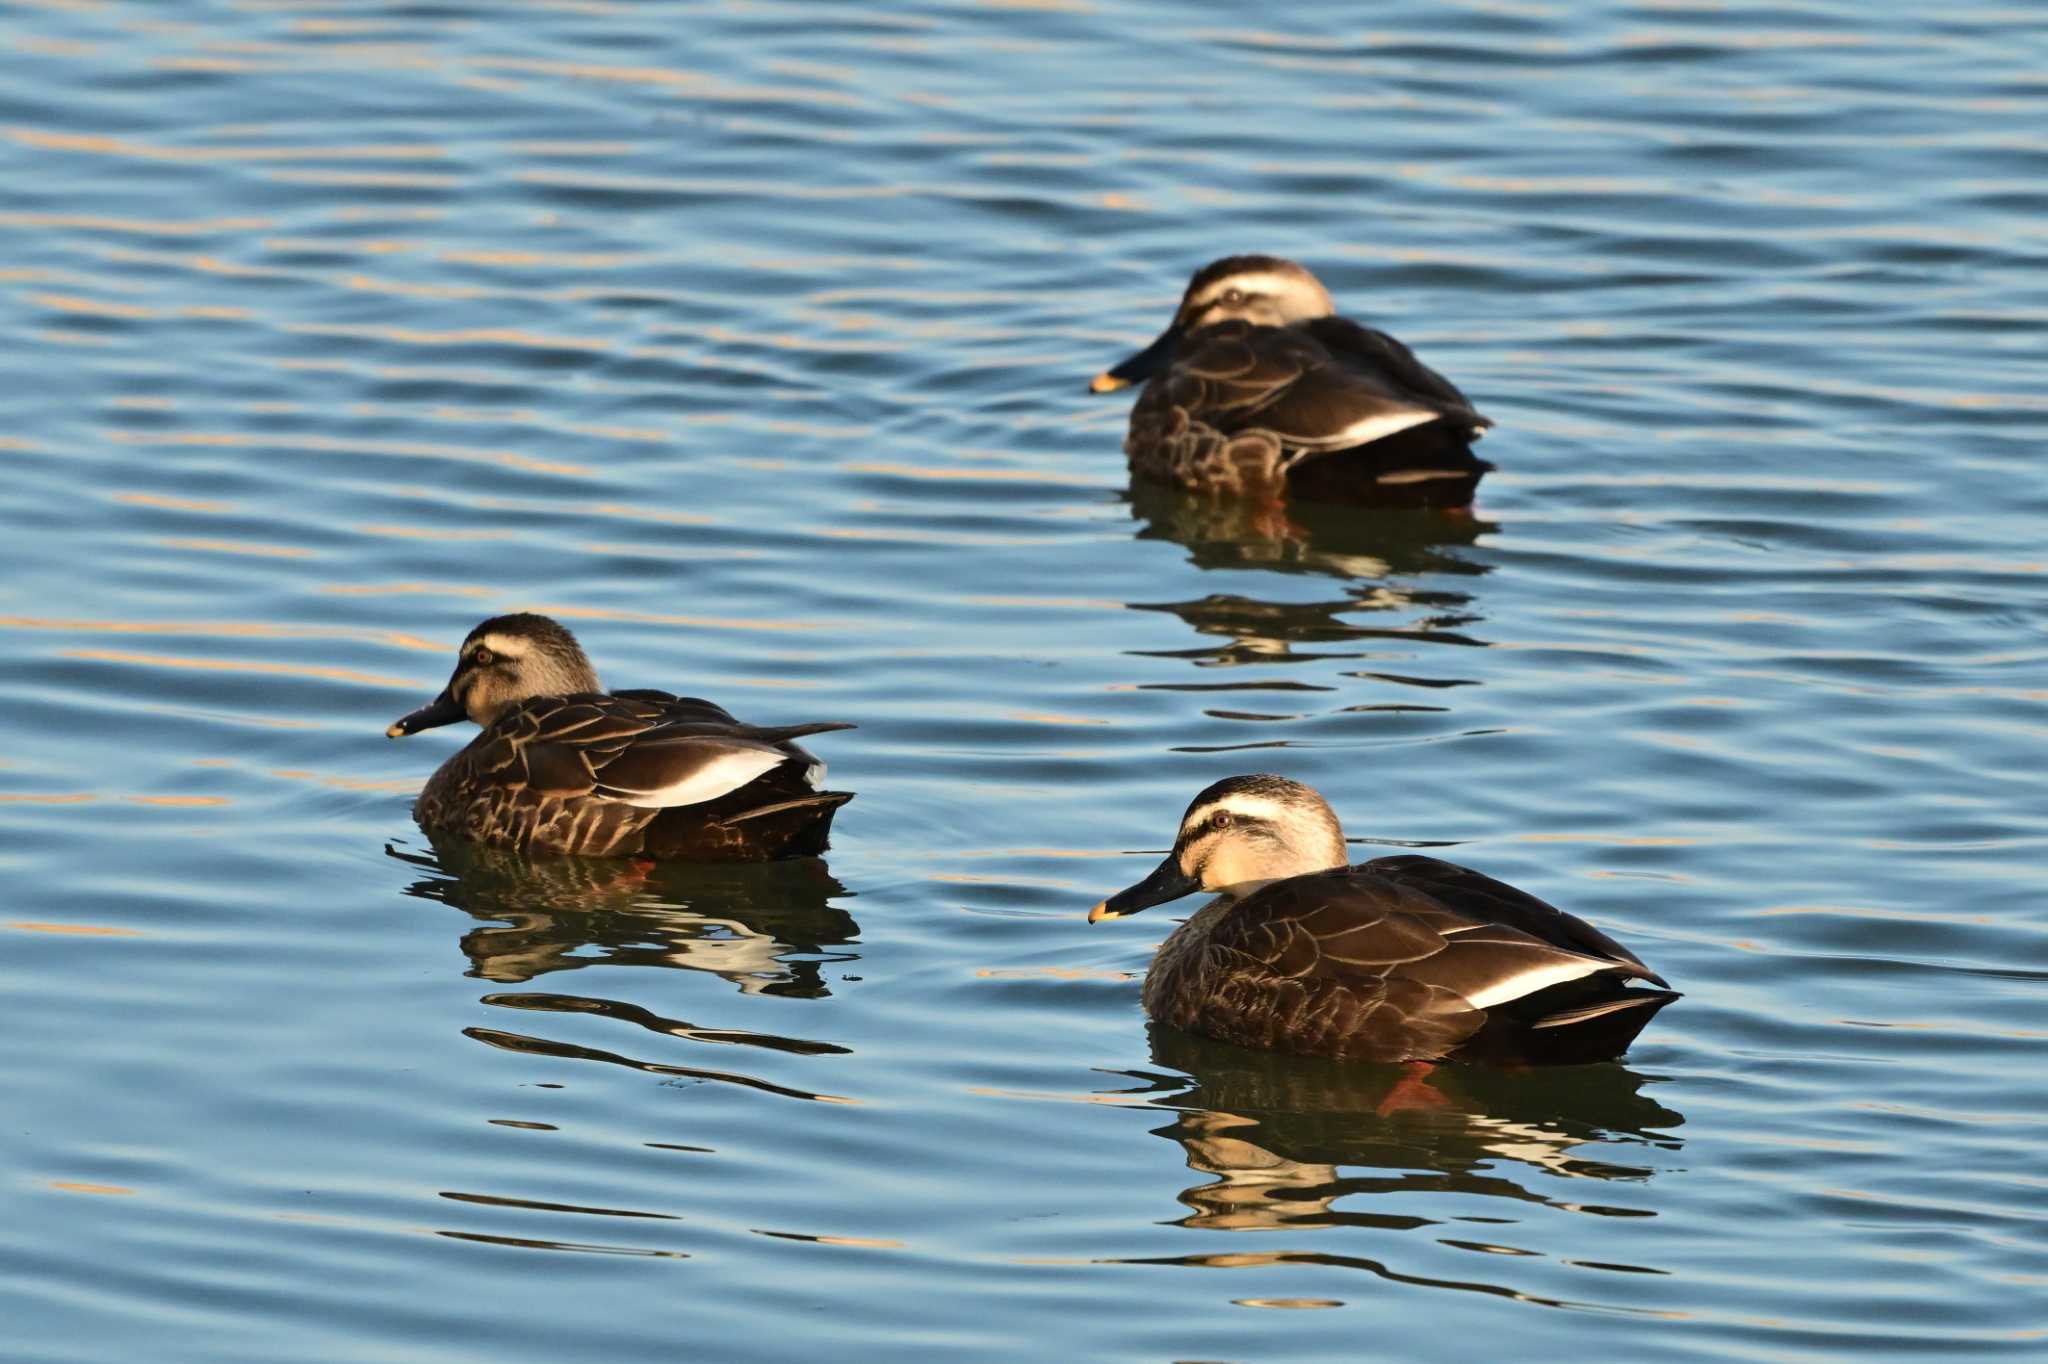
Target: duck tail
(798, 827)
(1571, 1024)
(1598, 1031)
(782, 734)
(822, 802)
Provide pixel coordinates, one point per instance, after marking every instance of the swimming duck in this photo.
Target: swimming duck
(1258, 388)
(1397, 959)
(563, 766)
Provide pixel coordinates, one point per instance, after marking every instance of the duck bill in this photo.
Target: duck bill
(442, 710)
(1139, 367)
(1167, 882)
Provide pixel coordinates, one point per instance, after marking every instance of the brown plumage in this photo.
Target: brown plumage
(1257, 390)
(563, 767)
(1397, 959)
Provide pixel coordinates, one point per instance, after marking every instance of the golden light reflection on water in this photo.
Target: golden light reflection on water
(79, 1187)
(103, 145)
(1043, 476)
(76, 930)
(241, 666)
(140, 227)
(623, 511)
(238, 547)
(513, 259)
(459, 336)
(304, 440)
(1030, 717)
(463, 533)
(701, 622)
(224, 629)
(334, 781)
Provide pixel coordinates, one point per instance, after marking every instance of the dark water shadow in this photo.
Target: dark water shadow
(1289, 1142)
(1405, 568)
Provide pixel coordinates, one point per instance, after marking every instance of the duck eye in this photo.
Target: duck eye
(1223, 820)
(483, 658)
(1233, 296)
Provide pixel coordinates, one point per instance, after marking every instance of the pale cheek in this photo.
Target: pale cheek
(476, 699)
(1230, 865)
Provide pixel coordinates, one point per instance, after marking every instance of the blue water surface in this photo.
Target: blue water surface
(751, 340)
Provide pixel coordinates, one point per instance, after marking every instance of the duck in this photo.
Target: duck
(1258, 390)
(563, 767)
(1400, 959)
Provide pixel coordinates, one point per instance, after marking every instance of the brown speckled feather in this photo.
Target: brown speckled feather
(1254, 412)
(1383, 961)
(561, 774)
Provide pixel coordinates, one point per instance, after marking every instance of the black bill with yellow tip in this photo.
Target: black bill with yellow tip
(1167, 882)
(1141, 366)
(442, 710)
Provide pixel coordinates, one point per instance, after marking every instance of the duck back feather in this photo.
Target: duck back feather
(1403, 958)
(1326, 409)
(634, 773)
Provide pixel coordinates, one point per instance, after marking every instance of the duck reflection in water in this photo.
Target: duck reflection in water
(1382, 558)
(769, 928)
(1273, 1131)
(1305, 537)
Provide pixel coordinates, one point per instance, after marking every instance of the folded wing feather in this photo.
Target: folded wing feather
(687, 770)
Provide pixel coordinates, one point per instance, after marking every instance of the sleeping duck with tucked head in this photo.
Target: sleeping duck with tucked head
(1258, 389)
(1397, 959)
(564, 767)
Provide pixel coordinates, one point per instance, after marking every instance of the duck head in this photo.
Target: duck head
(1238, 835)
(505, 660)
(1265, 291)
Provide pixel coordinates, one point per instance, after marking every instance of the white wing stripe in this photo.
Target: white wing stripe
(1528, 982)
(727, 772)
(1369, 429)
(1421, 475)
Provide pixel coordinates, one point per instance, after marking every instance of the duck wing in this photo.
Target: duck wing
(1237, 369)
(644, 749)
(1240, 405)
(1321, 965)
(692, 715)
(1392, 962)
(1478, 898)
(1389, 363)
(680, 708)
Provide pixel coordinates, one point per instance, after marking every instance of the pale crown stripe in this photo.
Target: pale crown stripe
(511, 646)
(1251, 807)
(1277, 286)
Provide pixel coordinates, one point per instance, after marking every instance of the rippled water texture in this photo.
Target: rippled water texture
(751, 340)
